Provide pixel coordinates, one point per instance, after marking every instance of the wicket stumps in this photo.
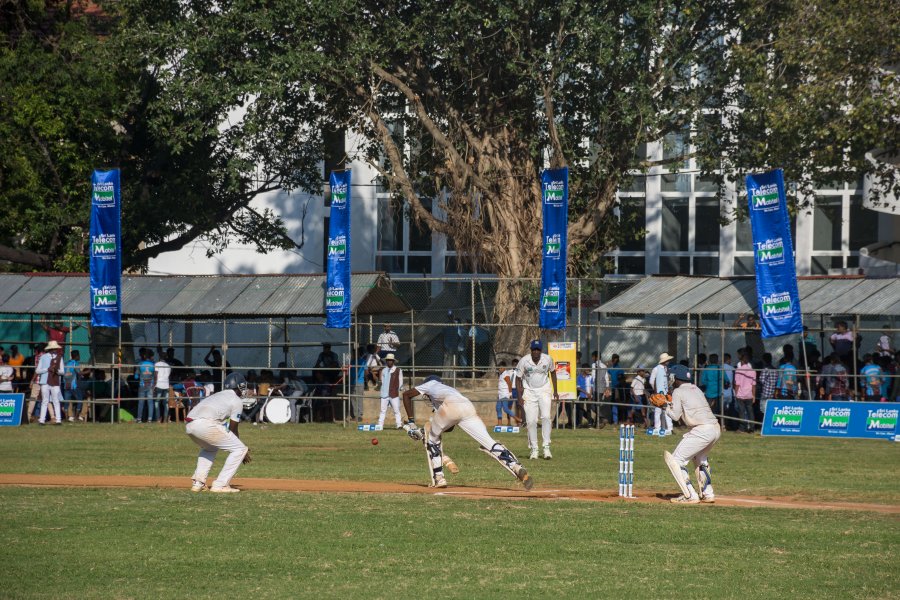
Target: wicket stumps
(626, 461)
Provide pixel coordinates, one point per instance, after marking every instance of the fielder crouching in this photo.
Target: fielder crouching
(205, 426)
(451, 408)
(689, 404)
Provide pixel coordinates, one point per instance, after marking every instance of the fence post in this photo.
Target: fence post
(472, 305)
(722, 373)
(412, 342)
(224, 354)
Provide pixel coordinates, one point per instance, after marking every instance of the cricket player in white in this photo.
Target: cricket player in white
(451, 408)
(689, 404)
(205, 425)
(659, 383)
(534, 375)
(391, 384)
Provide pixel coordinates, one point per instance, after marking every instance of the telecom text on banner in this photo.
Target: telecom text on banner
(555, 203)
(11, 409)
(776, 277)
(337, 284)
(873, 420)
(106, 249)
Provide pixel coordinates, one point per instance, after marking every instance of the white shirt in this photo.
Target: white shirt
(535, 376)
(162, 370)
(503, 391)
(6, 375)
(689, 404)
(601, 376)
(43, 367)
(439, 393)
(219, 407)
(388, 341)
(659, 379)
(386, 381)
(637, 385)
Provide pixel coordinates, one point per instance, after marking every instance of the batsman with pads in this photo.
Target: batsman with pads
(689, 404)
(451, 408)
(205, 426)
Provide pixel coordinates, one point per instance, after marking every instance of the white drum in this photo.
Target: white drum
(278, 410)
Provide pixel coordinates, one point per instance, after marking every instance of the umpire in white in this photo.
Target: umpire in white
(536, 387)
(689, 404)
(205, 425)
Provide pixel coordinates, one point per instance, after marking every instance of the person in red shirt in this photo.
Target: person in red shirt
(57, 332)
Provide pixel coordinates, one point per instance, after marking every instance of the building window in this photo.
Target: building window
(675, 225)
(706, 230)
(403, 246)
(390, 226)
(863, 226)
(827, 224)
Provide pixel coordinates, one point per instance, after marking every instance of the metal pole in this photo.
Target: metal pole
(347, 387)
(688, 336)
(576, 367)
(412, 342)
(269, 346)
(809, 394)
(722, 373)
(855, 353)
(224, 353)
(472, 305)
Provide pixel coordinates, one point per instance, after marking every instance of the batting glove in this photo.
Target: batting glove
(414, 432)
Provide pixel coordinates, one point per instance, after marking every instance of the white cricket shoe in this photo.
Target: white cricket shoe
(686, 500)
(547, 455)
(198, 486)
(534, 454)
(224, 489)
(708, 499)
(439, 480)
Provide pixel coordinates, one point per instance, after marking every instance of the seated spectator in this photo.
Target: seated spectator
(329, 362)
(373, 367)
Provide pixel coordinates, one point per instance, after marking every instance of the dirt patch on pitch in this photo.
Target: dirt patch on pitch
(367, 487)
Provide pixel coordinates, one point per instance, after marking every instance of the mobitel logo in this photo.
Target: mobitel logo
(554, 191)
(104, 194)
(552, 245)
(777, 305)
(770, 252)
(339, 195)
(787, 417)
(765, 197)
(834, 418)
(334, 297)
(883, 419)
(103, 246)
(106, 297)
(550, 297)
(337, 246)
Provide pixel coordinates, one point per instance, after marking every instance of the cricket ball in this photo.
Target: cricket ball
(374, 441)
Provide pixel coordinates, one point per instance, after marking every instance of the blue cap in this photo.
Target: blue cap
(680, 372)
(536, 345)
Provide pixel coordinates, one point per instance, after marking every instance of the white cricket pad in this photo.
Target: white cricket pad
(679, 473)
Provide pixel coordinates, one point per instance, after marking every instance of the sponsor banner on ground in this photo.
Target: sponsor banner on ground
(831, 419)
(106, 249)
(337, 284)
(11, 409)
(555, 205)
(776, 277)
(565, 355)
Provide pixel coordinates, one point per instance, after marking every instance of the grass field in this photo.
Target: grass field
(155, 543)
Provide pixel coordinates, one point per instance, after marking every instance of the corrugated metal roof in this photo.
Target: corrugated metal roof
(709, 295)
(196, 296)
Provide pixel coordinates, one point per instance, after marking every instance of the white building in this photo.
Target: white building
(680, 210)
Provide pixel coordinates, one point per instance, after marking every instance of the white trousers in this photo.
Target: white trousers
(537, 406)
(657, 411)
(696, 444)
(212, 436)
(464, 415)
(395, 406)
(49, 393)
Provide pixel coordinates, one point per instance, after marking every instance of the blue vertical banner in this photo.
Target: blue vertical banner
(106, 249)
(555, 204)
(337, 281)
(773, 250)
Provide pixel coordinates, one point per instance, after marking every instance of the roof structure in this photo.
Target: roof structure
(711, 295)
(197, 295)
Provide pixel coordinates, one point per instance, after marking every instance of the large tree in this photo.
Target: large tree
(467, 102)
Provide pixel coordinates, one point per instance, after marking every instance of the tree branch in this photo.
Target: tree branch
(21, 256)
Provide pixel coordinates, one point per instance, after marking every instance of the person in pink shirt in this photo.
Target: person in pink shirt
(745, 391)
